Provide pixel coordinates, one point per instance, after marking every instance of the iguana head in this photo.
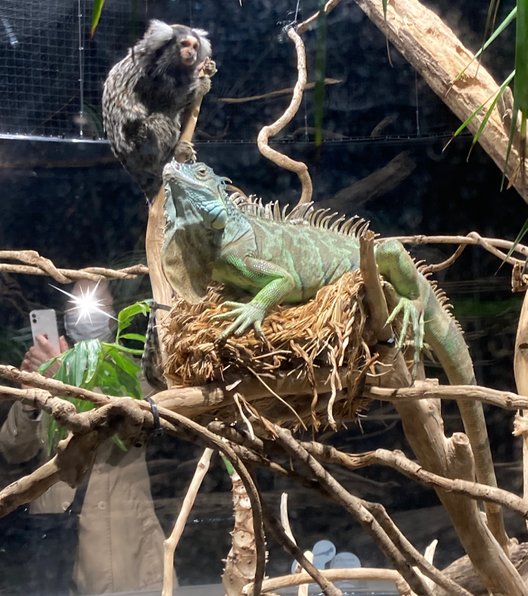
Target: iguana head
(200, 187)
(195, 218)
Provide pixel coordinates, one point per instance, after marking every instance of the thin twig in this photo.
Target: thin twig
(492, 245)
(285, 541)
(433, 268)
(271, 94)
(470, 393)
(328, 7)
(171, 543)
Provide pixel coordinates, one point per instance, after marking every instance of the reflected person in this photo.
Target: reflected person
(120, 545)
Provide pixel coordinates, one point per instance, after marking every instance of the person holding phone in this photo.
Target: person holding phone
(120, 546)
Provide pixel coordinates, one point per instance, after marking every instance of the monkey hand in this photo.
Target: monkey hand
(185, 152)
(208, 68)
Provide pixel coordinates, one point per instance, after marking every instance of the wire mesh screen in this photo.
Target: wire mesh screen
(51, 71)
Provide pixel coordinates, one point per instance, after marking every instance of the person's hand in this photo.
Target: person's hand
(42, 352)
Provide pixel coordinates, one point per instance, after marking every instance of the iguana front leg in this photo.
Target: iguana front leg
(398, 268)
(250, 273)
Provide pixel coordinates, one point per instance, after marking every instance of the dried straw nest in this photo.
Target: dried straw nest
(325, 332)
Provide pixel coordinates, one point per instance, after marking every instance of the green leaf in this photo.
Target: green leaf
(521, 62)
(96, 15)
(127, 314)
(94, 351)
(80, 362)
(66, 370)
(131, 351)
(518, 239)
(121, 361)
(229, 466)
(44, 367)
(134, 336)
(493, 98)
(100, 365)
(509, 18)
(117, 440)
(490, 109)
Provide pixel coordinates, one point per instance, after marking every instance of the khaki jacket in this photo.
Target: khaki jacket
(120, 538)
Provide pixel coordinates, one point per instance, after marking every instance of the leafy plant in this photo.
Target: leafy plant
(107, 367)
(519, 77)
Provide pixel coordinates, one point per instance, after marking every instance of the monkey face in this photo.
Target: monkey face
(189, 47)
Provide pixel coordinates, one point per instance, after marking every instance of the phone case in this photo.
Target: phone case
(44, 322)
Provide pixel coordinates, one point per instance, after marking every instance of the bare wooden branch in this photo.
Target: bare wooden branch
(422, 566)
(492, 245)
(354, 506)
(334, 575)
(240, 563)
(434, 267)
(74, 458)
(433, 49)
(266, 132)
(328, 7)
(193, 402)
(520, 367)
(271, 94)
(398, 461)
(171, 543)
(427, 390)
(287, 543)
(374, 297)
(423, 428)
(35, 264)
(75, 454)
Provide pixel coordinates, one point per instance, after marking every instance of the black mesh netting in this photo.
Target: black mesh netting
(51, 71)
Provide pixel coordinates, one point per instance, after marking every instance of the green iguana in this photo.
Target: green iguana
(280, 257)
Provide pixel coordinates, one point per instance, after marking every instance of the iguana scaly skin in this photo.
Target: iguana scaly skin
(280, 257)
(286, 258)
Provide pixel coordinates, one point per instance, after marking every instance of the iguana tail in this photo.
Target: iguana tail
(445, 337)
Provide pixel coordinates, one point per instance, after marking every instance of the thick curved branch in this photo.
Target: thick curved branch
(35, 264)
(273, 129)
(439, 56)
(468, 393)
(398, 461)
(353, 505)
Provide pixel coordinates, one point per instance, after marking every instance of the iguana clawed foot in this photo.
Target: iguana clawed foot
(247, 315)
(412, 313)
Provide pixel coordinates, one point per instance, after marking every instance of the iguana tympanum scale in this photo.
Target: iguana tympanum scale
(280, 257)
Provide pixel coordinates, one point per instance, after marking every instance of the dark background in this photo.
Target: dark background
(65, 196)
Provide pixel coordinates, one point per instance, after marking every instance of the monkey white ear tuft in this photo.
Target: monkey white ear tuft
(158, 33)
(204, 42)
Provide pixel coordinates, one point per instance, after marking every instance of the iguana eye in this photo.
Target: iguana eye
(201, 172)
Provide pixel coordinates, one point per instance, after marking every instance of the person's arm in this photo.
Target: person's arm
(19, 435)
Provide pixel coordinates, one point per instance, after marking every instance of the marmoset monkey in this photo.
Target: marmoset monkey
(146, 95)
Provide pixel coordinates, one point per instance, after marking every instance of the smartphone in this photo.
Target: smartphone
(44, 322)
